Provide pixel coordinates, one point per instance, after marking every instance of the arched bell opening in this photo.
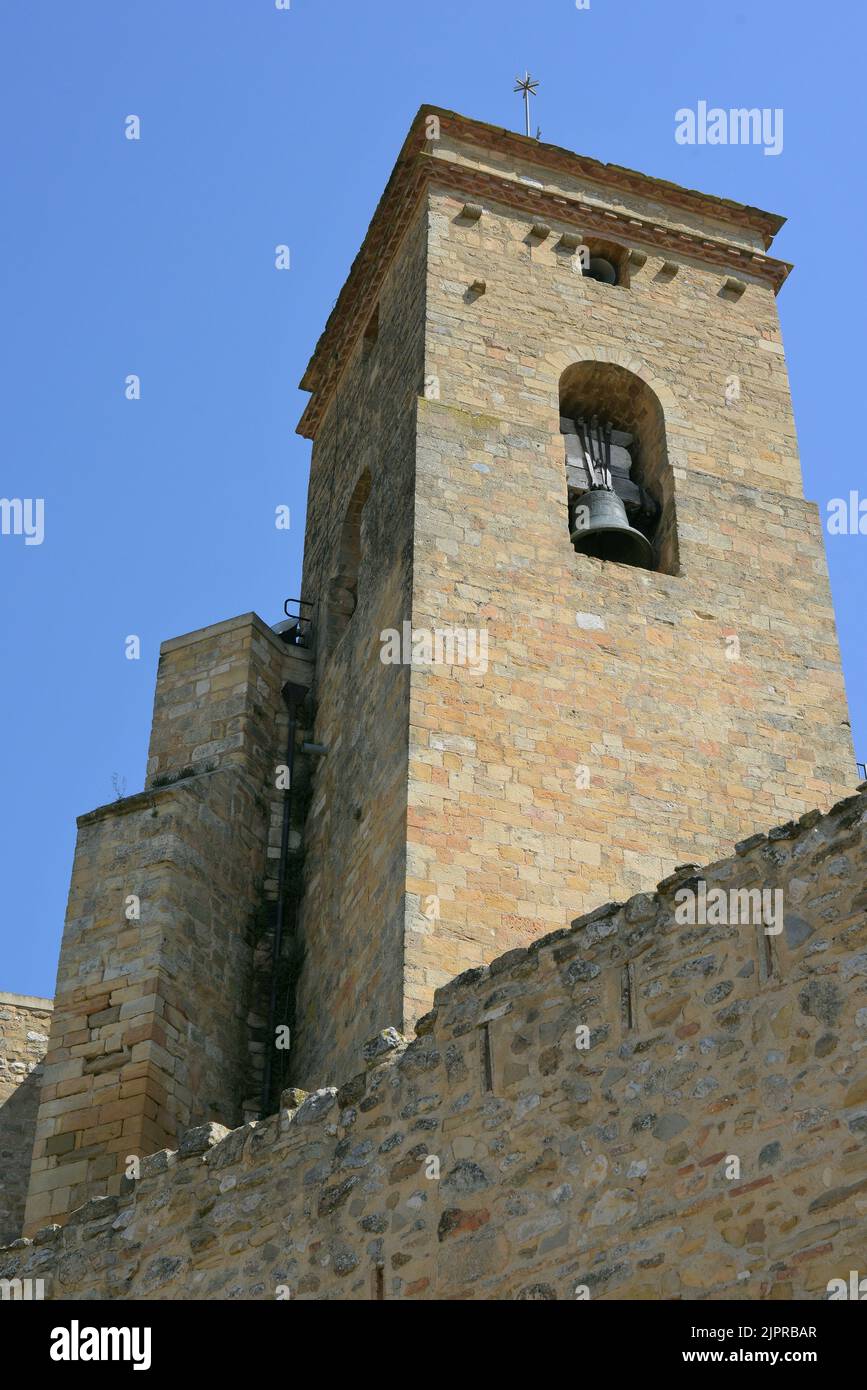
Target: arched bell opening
(342, 595)
(619, 481)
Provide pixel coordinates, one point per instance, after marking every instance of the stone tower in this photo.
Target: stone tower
(628, 719)
(502, 731)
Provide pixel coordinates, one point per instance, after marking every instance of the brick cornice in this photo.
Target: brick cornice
(417, 169)
(626, 227)
(479, 133)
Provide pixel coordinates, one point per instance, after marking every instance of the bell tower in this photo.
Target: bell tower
(565, 626)
(573, 618)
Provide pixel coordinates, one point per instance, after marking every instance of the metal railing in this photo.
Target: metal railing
(298, 632)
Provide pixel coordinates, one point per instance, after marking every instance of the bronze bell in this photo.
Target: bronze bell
(604, 531)
(601, 269)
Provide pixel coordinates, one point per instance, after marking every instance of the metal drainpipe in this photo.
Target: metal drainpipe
(294, 696)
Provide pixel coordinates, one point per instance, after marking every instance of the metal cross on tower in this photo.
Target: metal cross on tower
(527, 85)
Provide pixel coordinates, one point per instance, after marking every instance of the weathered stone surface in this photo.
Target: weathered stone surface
(316, 1106)
(158, 1162)
(201, 1138)
(611, 1169)
(386, 1041)
(291, 1098)
(24, 1024)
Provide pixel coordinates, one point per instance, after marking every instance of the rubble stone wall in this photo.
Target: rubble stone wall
(708, 1141)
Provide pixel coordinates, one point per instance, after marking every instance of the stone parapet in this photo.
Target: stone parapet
(635, 1107)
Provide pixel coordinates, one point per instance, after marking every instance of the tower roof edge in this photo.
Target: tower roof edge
(610, 175)
(418, 165)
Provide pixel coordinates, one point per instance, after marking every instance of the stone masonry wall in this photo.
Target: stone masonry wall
(217, 700)
(627, 720)
(151, 1022)
(355, 839)
(24, 1023)
(561, 1171)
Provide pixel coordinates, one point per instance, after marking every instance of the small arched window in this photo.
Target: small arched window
(615, 440)
(343, 586)
(605, 262)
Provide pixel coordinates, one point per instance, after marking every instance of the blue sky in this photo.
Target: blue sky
(262, 126)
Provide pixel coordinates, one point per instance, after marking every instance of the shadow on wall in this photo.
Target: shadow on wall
(17, 1132)
(343, 586)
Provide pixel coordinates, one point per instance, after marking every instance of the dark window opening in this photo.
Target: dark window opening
(371, 332)
(619, 482)
(343, 586)
(607, 263)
